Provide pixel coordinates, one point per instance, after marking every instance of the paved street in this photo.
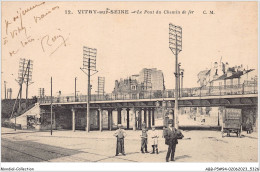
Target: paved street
(79, 146)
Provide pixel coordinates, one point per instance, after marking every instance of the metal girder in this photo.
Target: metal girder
(246, 101)
(150, 103)
(235, 101)
(125, 104)
(205, 102)
(224, 101)
(107, 105)
(131, 104)
(254, 100)
(186, 102)
(143, 103)
(119, 105)
(214, 102)
(136, 104)
(196, 102)
(139, 104)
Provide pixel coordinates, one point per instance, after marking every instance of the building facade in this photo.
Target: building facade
(136, 85)
(220, 74)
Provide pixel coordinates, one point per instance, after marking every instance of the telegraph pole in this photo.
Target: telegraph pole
(176, 108)
(27, 84)
(51, 105)
(89, 65)
(88, 99)
(175, 44)
(21, 83)
(179, 79)
(22, 74)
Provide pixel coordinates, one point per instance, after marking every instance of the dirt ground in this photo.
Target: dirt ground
(80, 146)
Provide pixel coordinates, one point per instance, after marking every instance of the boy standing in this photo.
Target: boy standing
(154, 140)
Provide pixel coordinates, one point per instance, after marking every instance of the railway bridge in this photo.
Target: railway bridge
(149, 108)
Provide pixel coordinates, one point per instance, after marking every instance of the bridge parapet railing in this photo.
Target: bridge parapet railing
(239, 89)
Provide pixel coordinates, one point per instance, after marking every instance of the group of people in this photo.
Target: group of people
(170, 134)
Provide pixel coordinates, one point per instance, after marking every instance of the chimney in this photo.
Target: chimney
(236, 68)
(240, 68)
(116, 84)
(216, 65)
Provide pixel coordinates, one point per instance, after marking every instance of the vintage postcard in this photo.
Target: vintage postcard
(130, 82)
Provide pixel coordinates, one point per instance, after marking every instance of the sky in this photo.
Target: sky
(125, 43)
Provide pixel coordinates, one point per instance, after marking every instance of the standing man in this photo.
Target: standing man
(120, 134)
(144, 137)
(170, 140)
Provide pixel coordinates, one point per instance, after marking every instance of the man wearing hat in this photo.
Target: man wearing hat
(120, 134)
(170, 135)
(154, 139)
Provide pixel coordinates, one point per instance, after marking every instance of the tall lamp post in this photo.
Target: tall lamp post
(89, 65)
(175, 45)
(75, 89)
(179, 79)
(164, 108)
(181, 74)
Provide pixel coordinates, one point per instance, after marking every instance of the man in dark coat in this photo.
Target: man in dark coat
(248, 126)
(170, 135)
(120, 134)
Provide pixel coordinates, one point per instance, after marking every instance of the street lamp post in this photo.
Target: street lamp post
(179, 79)
(181, 74)
(75, 89)
(175, 44)
(164, 113)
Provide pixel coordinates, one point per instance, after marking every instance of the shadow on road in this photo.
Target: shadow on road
(242, 136)
(182, 157)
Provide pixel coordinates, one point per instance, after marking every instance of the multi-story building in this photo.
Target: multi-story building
(151, 79)
(146, 80)
(220, 74)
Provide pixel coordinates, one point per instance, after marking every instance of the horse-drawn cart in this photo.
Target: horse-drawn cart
(232, 122)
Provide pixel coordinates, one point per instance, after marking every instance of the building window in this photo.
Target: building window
(133, 87)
